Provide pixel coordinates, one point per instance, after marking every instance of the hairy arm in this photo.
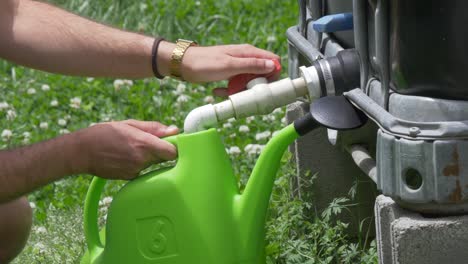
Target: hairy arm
(41, 36)
(48, 38)
(24, 169)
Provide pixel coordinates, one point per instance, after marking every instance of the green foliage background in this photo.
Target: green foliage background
(295, 233)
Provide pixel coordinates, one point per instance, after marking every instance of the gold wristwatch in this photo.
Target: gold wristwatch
(177, 54)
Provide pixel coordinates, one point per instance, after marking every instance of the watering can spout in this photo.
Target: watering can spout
(334, 112)
(253, 203)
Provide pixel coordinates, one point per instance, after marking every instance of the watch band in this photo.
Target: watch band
(154, 54)
(177, 55)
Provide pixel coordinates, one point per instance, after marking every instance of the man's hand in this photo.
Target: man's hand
(120, 150)
(216, 63)
(116, 150)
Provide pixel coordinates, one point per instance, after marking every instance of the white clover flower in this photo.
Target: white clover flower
(244, 129)
(284, 121)
(180, 89)
(269, 118)
(6, 134)
(43, 125)
(197, 3)
(163, 81)
(102, 210)
(248, 147)
(208, 100)
(231, 120)
(106, 201)
(31, 91)
(4, 105)
(92, 124)
(26, 134)
(183, 98)
(32, 205)
(64, 131)
(271, 39)
(254, 149)
(143, 6)
(259, 148)
(118, 84)
(75, 102)
(54, 103)
(227, 125)
(62, 122)
(234, 150)
(11, 114)
(250, 119)
(41, 230)
(278, 110)
(40, 248)
(89, 79)
(201, 88)
(45, 87)
(263, 135)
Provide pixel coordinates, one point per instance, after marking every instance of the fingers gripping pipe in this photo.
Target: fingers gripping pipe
(329, 76)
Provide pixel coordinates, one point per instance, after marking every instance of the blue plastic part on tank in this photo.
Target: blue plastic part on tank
(333, 23)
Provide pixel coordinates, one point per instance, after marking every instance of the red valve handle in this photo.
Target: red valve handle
(239, 82)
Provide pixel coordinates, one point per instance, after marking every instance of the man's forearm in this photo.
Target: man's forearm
(24, 169)
(44, 37)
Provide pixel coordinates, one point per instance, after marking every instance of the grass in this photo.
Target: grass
(294, 234)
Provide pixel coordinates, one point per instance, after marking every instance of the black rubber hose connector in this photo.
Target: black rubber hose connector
(305, 124)
(345, 68)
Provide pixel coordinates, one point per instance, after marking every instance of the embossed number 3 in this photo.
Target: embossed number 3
(158, 242)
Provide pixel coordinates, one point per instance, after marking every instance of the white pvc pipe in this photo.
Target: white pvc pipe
(262, 98)
(364, 161)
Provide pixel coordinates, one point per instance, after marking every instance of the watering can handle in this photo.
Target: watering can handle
(91, 228)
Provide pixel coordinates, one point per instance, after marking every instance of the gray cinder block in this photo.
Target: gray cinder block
(405, 237)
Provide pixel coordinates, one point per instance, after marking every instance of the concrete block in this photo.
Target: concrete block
(336, 174)
(406, 237)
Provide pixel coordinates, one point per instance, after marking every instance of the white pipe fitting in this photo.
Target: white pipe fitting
(312, 81)
(200, 118)
(252, 83)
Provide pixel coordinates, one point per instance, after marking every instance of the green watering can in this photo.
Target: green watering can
(192, 212)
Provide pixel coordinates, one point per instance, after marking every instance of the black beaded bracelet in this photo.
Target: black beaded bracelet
(154, 53)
